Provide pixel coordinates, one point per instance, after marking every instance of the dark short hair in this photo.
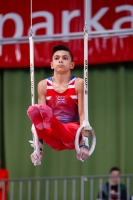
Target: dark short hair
(62, 47)
(115, 169)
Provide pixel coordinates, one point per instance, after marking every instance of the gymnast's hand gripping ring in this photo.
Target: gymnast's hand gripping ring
(85, 126)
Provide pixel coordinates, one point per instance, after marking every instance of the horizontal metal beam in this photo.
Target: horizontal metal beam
(67, 37)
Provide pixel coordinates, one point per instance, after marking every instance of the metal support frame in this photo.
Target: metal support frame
(71, 36)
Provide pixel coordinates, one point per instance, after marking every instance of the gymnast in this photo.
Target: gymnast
(60, 109)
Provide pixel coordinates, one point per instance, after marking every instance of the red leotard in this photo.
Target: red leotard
(65, 118)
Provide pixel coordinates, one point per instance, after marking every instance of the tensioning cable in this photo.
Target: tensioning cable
(35, 142)
(85, 125)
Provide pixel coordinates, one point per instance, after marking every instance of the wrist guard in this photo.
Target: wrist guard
(40, 146)
(84, 142)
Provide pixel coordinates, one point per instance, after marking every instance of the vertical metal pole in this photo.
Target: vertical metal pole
(82, 188)
(20, 190)
(47, 190)
(29, 190)
(91, 189)
(3, 190)
(73, 189)
(56, 190)
(65, 190)
(119, 191)
(109, 197)
(101, 182)
(38, 190)
(128, 187)
(12, 190)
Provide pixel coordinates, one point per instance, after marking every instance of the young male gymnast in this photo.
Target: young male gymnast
(60, 109)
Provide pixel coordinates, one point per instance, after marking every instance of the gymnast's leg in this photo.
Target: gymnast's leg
(57, 135)
(63, 132)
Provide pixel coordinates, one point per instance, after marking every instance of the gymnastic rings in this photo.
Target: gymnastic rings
(85, 126)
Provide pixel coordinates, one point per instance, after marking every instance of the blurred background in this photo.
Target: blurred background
(110, 80)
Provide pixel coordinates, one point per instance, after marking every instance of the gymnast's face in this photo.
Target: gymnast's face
(62, 61)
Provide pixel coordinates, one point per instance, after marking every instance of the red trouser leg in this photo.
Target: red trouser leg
(57, 135)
